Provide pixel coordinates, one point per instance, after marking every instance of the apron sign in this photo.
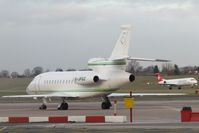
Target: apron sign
(129, 102)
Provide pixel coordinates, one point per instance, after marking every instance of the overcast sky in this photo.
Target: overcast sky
(66, 33)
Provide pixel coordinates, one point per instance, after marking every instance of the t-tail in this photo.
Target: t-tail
(119, 55)
(159, 77)
(121, 48)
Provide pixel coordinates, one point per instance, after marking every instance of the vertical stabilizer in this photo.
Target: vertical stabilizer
(159, 77)
(122, 46)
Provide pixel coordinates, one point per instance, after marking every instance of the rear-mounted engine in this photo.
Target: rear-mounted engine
(88, 80)
(131, 78)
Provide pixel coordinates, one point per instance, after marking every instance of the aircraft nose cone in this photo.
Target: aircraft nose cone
(28, 89)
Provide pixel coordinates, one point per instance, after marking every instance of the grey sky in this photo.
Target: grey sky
(66, 33)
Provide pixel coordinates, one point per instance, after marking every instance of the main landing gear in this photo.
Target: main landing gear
(63, 105)
(106, 104)
(43, 106)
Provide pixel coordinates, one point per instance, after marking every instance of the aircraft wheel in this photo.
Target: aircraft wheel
(63, 106)
(106, 105)
(43, 107)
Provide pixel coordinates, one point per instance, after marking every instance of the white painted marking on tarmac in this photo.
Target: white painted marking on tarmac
(1, 129)
(172, 108)
(76, 118)
(38, 119)
(3, 119)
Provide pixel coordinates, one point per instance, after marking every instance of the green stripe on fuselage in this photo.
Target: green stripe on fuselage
(123, 62)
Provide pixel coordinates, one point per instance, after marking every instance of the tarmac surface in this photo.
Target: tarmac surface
(148, 116)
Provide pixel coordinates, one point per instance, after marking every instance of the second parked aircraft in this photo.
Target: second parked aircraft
(176, 82)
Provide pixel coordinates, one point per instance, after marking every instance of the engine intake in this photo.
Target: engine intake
(95, 79)
(88, 80)
(131, 78)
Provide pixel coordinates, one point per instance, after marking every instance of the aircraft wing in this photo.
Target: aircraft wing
(145, 94)
(52, 95)
(171, 85)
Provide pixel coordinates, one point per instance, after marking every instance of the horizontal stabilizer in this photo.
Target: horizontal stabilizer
(141, 59)
(148, 59)
(145, 94)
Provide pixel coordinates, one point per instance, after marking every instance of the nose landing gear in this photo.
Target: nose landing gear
(43, 106)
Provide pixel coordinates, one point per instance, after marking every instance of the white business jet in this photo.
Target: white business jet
(107, 76)
(176, 82)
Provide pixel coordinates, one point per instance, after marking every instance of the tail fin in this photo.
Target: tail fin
(159, 77)
(122, 46)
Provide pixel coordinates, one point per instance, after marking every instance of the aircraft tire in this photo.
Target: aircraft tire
(43, 107)
(105, 105)
(63, 106)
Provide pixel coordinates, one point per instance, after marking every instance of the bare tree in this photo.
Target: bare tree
(5, 73)
(133, 66)
(59, 70)
(27, 73)
(37, 70)
(14, 75)
(167, 68)
(148, 69)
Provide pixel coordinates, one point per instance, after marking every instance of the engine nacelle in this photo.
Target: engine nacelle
(131, 78)
(88, 80)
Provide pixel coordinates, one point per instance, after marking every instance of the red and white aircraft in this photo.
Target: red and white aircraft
(176, 82)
